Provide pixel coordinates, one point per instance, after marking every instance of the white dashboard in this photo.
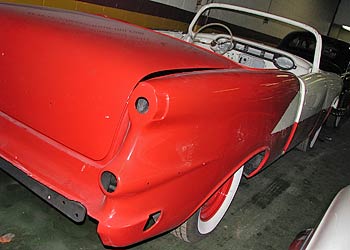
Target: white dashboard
(248, 53)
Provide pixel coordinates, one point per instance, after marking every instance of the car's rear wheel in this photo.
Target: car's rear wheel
(335, 118)
(314, 138)
(341, 112)
(206, 219)
(309, 142)
(337, 121)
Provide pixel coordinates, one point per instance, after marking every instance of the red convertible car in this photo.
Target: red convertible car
(142, 131)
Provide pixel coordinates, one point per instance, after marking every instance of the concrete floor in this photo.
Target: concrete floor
(269, 210)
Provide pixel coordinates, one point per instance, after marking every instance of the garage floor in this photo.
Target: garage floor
(270, 209)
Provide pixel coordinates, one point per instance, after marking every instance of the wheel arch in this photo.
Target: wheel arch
(253, 155)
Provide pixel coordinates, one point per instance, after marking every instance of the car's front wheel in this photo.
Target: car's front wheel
(206, 219)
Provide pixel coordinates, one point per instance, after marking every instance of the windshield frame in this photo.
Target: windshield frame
(234, 8)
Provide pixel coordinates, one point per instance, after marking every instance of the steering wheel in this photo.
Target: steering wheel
(219, 41)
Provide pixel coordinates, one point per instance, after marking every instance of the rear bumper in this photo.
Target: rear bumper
(113, 230)
(70, 183)
(72, 209)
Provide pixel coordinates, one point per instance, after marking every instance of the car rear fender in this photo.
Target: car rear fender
(199, 128)
(239, 107)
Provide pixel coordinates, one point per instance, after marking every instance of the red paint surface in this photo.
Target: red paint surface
(211, 206)
(200, 142)
(291, 136)
(76, 72)
(63, 78)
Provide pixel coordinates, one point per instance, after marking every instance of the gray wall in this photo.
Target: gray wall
(338, 32)
(318, 13)
(343, 14)
(189, 5)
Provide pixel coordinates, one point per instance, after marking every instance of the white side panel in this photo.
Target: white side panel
(321, 90)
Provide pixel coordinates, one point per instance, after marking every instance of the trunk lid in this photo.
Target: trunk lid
(68, 75)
